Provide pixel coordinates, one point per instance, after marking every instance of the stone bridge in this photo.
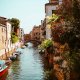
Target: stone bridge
(34, 41)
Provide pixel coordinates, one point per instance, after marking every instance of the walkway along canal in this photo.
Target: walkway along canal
(30, 66)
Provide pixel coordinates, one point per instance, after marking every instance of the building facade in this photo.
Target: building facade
(43, 30)
(50, 8)
(8, 45)
(27, 37)
(31, 34)
(35, 35)
(21, 34)
(5, 36)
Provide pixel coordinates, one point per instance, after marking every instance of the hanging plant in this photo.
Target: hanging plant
(53, 18)
(48, 45)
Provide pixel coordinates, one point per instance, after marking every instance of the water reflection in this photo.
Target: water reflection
(29, 67)
(14, 71)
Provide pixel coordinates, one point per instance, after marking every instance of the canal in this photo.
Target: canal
(29, 66)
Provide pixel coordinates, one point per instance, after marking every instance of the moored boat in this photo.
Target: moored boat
(8, 62)
(3, 70)
(15, 56)
(17, 53)
(26, 44)
(23, 47)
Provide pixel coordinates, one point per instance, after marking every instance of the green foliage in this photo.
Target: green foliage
(72, 21)
(76, 9)
(73, 60)
(14, 22)
(53, 18)
(40, 47)
(46, 43)
(14, 38)
(70, 38)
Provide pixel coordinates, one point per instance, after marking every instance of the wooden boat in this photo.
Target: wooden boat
(15, 55)
(41, 51)
(8, 62)
(3, 70)
(26, 44)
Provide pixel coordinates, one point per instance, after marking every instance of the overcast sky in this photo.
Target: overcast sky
(29, 12)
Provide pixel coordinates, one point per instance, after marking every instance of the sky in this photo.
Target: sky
(29, 12)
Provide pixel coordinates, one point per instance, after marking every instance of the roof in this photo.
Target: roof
(3, 20)
(56, 3)
(50, 4)
(3, 17)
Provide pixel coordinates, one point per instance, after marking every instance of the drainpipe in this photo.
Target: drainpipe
(6, 42)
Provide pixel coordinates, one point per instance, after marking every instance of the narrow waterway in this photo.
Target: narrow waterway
(29, 66)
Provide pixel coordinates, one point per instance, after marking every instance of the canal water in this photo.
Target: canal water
(29, 66)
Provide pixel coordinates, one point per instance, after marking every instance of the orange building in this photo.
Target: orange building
(35, 33)
(43, 30)
(27, 37)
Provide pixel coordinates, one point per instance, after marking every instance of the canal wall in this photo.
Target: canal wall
(58, 65)
(6, 55)
(7, 52)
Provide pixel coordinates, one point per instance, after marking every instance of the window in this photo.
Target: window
(53, 11)
(2, 29)
(2, 39)
(36, 38)
(39, 33)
